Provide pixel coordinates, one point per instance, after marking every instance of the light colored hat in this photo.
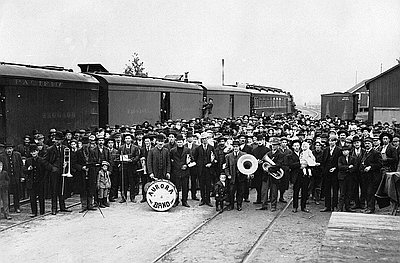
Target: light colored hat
(204, 135)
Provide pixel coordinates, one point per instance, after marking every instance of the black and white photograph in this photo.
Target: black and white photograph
(199, 131)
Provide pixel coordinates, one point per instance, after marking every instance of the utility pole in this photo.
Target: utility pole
(223, 72)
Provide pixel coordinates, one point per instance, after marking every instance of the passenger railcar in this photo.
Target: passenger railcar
(228, 101)
(341, 104)
(34, 97)
(128, 99)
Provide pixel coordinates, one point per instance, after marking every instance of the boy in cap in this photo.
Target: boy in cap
(103, 184)
(346, 167)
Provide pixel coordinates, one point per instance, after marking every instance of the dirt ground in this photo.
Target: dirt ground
(135, 233)
(128, 233)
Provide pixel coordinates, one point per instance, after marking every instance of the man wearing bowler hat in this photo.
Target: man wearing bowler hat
(13, 165)
(237, 179)
(55, 157)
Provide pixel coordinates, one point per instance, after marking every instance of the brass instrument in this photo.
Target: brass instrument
(246, 160)
(67, 163)
(270, 167)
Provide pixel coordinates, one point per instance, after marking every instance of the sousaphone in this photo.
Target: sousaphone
(247, 164)
(270, 167)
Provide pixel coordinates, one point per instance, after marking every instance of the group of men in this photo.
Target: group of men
(193, 154)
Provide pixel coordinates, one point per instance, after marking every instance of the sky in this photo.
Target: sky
(308, 47)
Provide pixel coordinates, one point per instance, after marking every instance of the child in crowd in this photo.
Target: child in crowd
(103, 184)
(4, 183)
(221, 192)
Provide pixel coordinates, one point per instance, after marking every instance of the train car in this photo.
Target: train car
(228, 101)
(33, 97)
(128, 99)
(343, 105)
(268, 100)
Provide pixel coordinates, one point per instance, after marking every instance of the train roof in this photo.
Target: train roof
(230, 89)
(43, 72)
(127, 80)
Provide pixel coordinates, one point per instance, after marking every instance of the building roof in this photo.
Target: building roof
(358, 86)
(383, 73)
(227, 89)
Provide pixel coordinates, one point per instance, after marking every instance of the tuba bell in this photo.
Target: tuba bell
(270, 167)
(67, 163)
(243, 163)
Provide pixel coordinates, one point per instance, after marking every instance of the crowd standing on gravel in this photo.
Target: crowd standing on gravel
(331, 160)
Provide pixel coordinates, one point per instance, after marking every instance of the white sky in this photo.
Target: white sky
(305, 47)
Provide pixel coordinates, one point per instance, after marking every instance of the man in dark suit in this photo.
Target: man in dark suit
(159, 161)
(35, 170)
(144, 152)
(269, 181)
(192, 170)
(330, 174)
(180, 158)
(237, 179)
(114, 177)
(55, 157)
(202, 156)
(388, 152)
(130, 154)
(370, 168)
(244, 147)
(259, 152)
(359, 191)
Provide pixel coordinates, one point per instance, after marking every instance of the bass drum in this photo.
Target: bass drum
(161, 195)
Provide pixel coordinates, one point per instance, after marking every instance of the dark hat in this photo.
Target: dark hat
(33, 148)
(59, 136)
(260, 137)
(342, 131)
(346, 148)
(221, 138)
(284, 139)
(179, 137)
(368, 139)
(356, 138)
(160, 137)
(383, 134)
(110, 139)
(189, 134)
(236, 142)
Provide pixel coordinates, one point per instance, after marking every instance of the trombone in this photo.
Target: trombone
(66, 168)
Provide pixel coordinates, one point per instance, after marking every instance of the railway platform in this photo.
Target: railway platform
(355, 237)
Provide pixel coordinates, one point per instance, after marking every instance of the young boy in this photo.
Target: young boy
(103, 184)
(4, 183)
(346, 166)
(301, 183)
(221, 192)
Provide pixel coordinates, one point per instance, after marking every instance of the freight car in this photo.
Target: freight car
(33, 97)
(344, 105)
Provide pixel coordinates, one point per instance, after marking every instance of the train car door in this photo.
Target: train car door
(231, 106)
(3, 130)
(165, 107)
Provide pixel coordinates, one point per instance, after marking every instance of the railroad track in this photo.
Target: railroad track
(26, 203)
(248, 255)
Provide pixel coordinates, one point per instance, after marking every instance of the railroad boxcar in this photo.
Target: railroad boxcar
(129, 99)
(228, 101)
(343, 105)
(41, 98)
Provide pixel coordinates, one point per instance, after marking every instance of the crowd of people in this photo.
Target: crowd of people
(331, 160)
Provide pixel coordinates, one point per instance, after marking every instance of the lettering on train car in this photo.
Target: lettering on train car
(40, 83)
(58, 115)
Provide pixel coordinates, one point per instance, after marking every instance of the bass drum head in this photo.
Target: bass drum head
(161, 195)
